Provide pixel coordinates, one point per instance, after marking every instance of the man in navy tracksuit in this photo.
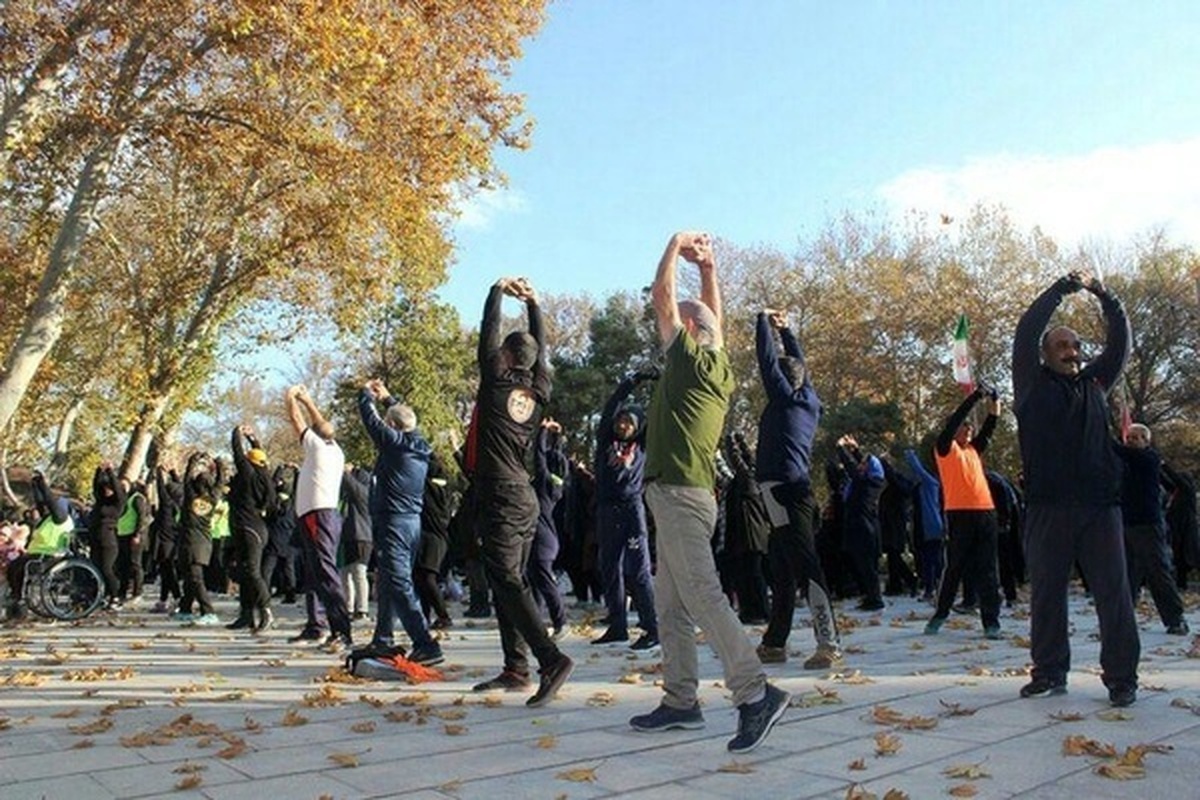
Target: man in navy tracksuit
(782, 466)
(400, 468)
(621, 530)
(1073, 488)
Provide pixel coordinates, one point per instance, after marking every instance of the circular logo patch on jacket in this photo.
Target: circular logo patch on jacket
(201, 507)
(521, 404)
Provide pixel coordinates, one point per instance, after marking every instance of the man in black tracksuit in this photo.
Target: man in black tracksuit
(514, 386)
(1073, 489)
(1147, 548)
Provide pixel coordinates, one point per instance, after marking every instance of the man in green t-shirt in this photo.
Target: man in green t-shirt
(687, 414)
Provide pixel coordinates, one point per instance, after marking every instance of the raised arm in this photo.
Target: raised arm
(662, 292)
(489, 327)
(291, 404)
(1108, 366)
(537, 329)
(237, 445)
(955, 421)
(1027, 340)
(984, 437)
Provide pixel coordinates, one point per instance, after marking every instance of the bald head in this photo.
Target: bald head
(1061, 351)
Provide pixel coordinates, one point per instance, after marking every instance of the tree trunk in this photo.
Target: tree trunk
(9, 496)
(149, 416)
(62, 442)
(44, 322)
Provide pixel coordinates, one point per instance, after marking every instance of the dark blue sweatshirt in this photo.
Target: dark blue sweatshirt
(789, 421)
(400, 466)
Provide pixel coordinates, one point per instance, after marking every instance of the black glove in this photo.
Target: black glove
(1069, 283)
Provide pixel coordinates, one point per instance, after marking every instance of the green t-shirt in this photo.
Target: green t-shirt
(687, 414)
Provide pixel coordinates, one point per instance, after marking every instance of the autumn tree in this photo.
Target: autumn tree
(313, 153)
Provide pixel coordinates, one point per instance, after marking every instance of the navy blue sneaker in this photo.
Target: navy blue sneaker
(755, 720)
(666, 718)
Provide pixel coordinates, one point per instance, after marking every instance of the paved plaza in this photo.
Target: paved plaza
(137, 706)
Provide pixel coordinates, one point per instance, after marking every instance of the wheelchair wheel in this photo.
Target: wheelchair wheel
(72, 589)
(35, 571)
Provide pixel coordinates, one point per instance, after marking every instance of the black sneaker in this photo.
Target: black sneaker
(1043, 687)
(427, 656)
(1179, 628)
(482, 612)
(1122, 696)
(307, 635)
(645, 643)
(665, 718)
(506, 681)
(243, 621)
(755, 720)
(553, 677)
(871, 605)
(612, 637)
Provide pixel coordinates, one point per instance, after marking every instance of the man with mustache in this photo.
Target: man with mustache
(1073, 488)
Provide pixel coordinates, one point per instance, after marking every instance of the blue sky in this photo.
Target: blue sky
(759, 121)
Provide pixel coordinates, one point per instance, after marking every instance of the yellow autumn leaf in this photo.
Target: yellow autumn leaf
(455, 730)
(548, 742)
(1067, 716)
(578, 775)
(736, 767)
(344, 759)
(1120, 772)
(1115, 715)
(857, 791)
(857, 764)
(232, 750)
(632, 678)
(886, 744)
(1083, 746)
(966, 771)
(88, 728)
(188, 767)
(895, 794)
(292, 718)
(189, 782)
(962, 790)
(602, 699)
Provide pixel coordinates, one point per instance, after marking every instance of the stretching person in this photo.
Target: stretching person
(621, 531)
(169, 489)
(783, 466)
(109, 503)
(686, 415)
(1073, 489)
(203, 479)
(514, 386)
(861, 543)
(251, 498)
(318, 521)
(549, 475)
(435, 544)
(1147, 549)
(970, 514)
(400, 469)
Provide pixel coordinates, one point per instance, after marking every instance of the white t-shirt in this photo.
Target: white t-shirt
(320, 480)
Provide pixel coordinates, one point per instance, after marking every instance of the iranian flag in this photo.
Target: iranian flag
(962, 356)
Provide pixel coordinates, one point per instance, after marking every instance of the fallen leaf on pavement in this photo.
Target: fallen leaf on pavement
(962, 790)
(578, 775)
(736, 768)
(969, 772)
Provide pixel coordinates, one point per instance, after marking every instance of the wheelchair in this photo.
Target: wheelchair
(64, 587)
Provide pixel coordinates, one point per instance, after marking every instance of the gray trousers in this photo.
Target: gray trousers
(1055, 538)
(688, 593)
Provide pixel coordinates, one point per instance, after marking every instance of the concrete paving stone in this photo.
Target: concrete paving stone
(313, 786)
(22, 769)
(783, 778)
(66, 786)
(150, 780)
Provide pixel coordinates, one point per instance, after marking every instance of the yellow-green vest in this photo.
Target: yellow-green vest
(50, 537)
(127, 523)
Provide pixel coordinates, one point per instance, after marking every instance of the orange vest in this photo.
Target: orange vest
(964, 486)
